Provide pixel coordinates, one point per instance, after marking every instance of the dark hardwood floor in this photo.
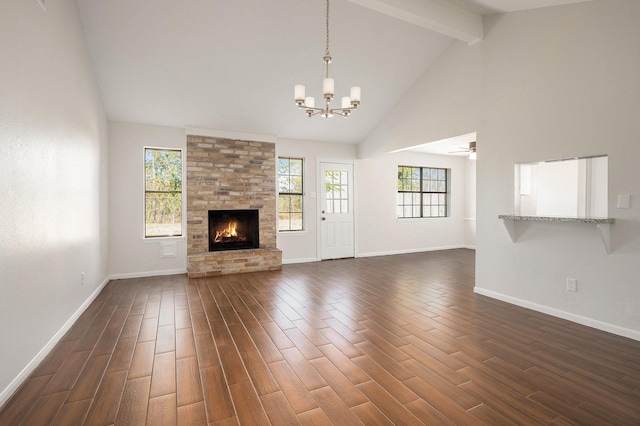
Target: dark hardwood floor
(391, 340)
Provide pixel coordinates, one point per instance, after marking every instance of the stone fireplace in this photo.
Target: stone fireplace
(225, 176)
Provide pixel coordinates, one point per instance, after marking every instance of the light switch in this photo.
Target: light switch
(624, 201)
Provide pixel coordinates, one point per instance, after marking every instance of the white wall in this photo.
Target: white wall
(130, 255)
(470, 204)
(558, 188)
(445, 102)
(53, 169)
(598, 184)
(302, 246)
(554, 82)
(380, 232)
(563, 82)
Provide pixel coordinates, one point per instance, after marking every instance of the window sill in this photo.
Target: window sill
(291, 233)
(421, 219)
(151, 240)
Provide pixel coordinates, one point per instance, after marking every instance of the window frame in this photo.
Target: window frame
(291, 194)
(424, 192)
(150, 238)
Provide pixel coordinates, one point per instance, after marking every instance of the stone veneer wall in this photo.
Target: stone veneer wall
(225, 174)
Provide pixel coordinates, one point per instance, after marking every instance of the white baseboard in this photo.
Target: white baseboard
(589, 322)
(385, 253)
(292, 261)
(468, 246)
(40, 356)
(420, 250)
(147, 274)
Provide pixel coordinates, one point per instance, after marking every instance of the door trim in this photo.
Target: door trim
(319, 206)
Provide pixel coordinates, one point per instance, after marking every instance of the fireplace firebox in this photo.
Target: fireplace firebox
(233, 230)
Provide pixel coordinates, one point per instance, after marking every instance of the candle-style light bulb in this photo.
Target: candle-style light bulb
(327, 86)
(355, 96)
(299, 93)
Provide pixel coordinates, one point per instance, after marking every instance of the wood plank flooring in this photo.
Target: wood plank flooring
(377, 341)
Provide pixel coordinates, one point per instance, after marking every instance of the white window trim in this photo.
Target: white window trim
(183, 195)
(304, 196)
(448, 197)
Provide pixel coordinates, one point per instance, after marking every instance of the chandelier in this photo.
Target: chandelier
(348, 103)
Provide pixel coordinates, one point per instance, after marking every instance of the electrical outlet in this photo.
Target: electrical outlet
(82, 277)
(572, 284)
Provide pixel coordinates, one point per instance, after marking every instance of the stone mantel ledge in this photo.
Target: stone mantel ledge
(603, 224)
(594, 220)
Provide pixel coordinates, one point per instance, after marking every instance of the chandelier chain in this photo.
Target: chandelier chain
(327, 21)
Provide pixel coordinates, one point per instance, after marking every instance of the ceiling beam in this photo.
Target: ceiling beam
(444, 18)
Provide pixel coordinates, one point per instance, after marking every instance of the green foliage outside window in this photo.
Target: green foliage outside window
(290, 192)
(163, 192)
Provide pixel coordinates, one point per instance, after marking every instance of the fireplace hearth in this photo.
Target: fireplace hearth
(233, 230)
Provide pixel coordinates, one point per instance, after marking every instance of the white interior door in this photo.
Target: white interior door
(336, 211)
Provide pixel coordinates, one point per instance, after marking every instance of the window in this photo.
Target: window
(422, 192)
(290, 194)
(162, 192)
(337, 187)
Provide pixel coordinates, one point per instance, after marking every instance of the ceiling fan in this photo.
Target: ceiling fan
(471, 149)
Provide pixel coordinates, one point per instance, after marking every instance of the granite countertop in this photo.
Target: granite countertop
(595, 220)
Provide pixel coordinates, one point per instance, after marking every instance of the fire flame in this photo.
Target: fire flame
(228, 232)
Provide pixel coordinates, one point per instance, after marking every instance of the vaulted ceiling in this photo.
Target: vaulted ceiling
(232, 65)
